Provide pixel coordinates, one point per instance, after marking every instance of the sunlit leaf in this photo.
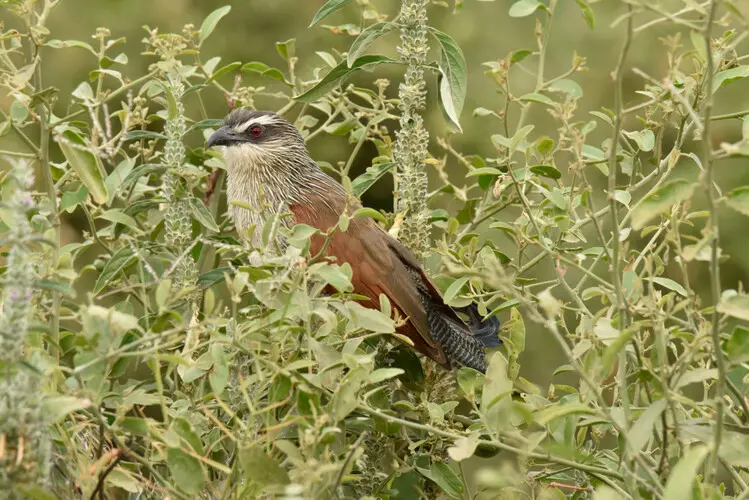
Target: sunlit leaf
(121, 259)
(201, 214)
(86, 164)
(328, 8)
(186, 470)
(453, 83)
(210, 22)
(340, 72)
(366, 38)
(523, 8)
(57, 407)
(660, 200)
(680, 481)
(642, 430)
(736, 306)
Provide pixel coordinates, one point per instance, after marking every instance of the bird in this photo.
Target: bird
(268, 165)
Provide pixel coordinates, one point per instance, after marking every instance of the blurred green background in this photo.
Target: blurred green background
(485, 32)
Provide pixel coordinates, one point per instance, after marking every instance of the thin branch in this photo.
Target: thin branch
(707, 162)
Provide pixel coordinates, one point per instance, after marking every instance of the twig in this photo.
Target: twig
(103, 476)
(707, 162)
(349, 456)
(613, 203)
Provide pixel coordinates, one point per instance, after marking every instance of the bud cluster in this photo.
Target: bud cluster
(19, 274)
(177, 220)
(24, 448)
(410, 149)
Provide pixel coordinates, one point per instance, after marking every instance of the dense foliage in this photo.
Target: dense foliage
(158, 355)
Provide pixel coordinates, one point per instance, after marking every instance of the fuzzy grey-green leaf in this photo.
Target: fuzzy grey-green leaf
(85, 163)
(210, 22)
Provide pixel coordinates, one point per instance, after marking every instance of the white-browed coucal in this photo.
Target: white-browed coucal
(266, 154)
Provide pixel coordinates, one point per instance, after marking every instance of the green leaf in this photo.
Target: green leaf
(558, 198)
(286, 49)
(345, 398)
(660, 200)
(622, 197)
(57, 407)
(559, 410)
(144, 134)
(373, 174)
(536, 97)
(223, 70)
(497, 385)
(210, 22)
(523, 8)
(612, 350)
(670, 284)
(219, 375)
(85, 163)
(547, 171)
(453, 83)
(588, 14)
(370, 319)
(369, 213)
(680, 482)
(519, 137)
(737, 347)
(738, 199)
(338, 73)
(445, 478)
(172, 107)
(118, 321)
(736, 306)
(119, 261)
(335, 275)
(63, 288)
(366, 38)
(38, 493)
(328, 8)
(645, 139)
(71, 199)
(454, 289)
(119, 217)
(265, 70)
(469, 380)
(697, 376)
(569, 87)
(64, 44)
(262, 469)
(730, 75)
(382, 374)
(202, 215)
(642, 430)
(184, 429)
(519, 55)
(186, 470)
(118, 176)
(464, 447)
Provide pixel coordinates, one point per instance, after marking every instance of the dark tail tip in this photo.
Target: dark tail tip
(483, 330)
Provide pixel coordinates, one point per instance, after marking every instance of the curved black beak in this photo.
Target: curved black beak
(224, 136)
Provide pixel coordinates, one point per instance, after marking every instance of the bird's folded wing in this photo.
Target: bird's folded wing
(380, 265)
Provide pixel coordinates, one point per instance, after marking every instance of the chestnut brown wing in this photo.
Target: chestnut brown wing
(378, 268)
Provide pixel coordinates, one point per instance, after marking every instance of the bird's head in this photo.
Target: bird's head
(261, 140)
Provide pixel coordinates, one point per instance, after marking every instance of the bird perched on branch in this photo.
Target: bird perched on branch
(266, 154)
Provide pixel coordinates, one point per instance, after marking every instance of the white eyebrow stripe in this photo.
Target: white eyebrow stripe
(260, 120)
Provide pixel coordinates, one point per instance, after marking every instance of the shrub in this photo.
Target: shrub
(160, 356)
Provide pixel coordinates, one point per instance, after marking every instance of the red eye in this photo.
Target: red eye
(256, 131)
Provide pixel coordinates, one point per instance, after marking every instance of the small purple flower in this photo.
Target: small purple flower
(27, 201)
(14, 295)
